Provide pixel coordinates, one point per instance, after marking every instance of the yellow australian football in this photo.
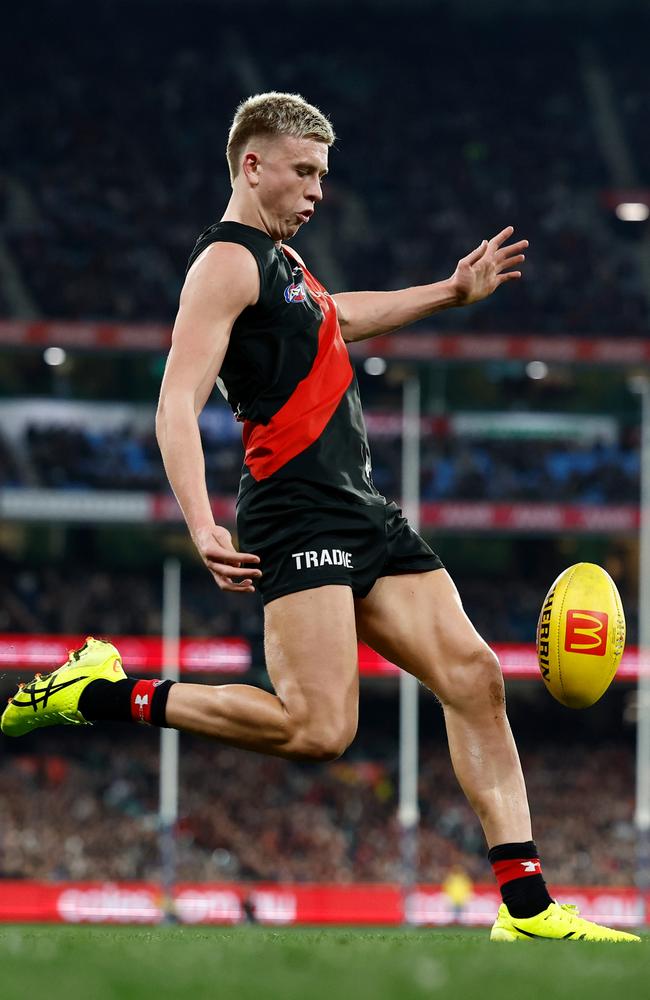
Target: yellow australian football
(580, 635)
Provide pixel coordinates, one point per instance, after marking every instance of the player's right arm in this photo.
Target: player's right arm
(223, 281)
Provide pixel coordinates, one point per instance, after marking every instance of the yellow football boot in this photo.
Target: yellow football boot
(53, 699)
(556, 923)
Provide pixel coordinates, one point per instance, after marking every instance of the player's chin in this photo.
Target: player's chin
(296, 222)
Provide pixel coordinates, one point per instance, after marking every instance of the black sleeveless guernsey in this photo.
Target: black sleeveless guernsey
(288, 378)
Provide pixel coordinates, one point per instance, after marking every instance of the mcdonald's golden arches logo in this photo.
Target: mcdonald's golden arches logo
(586, 632)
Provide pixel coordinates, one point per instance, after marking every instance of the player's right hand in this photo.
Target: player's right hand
(214, 545)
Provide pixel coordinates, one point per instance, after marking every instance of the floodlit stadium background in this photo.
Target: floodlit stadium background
(451, 126)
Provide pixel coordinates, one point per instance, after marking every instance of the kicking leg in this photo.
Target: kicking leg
(311, 652)
(311, 657)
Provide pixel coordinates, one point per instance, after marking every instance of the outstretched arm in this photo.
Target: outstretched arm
(369, 314)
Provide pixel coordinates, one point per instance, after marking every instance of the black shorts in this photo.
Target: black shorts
(307, 536)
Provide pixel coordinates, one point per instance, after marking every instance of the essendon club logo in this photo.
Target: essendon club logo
(295, 293)
(586, 632)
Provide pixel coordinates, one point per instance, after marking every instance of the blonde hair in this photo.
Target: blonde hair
(275, 114)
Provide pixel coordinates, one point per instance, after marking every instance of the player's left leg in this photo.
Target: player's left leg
(417, 621)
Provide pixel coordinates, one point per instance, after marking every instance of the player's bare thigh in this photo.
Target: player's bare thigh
(310, 642)
(417, 621)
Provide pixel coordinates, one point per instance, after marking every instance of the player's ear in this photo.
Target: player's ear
(251, 165)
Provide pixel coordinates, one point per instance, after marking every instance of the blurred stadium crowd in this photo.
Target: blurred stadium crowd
(104, 188)
(247, 817)
(74, 599)
(73, 457)
(113, 162)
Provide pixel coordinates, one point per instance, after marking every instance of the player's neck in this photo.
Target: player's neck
(246, 215)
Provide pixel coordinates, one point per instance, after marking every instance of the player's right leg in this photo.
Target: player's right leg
(312, 665)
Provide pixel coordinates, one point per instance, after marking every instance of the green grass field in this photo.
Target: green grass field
(251, 963)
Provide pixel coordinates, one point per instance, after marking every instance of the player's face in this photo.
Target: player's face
(289, 176)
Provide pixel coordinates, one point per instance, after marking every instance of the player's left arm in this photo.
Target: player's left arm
(481, 272)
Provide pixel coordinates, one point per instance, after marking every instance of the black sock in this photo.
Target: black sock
(524, 895)
(107, 701)
(112, 701)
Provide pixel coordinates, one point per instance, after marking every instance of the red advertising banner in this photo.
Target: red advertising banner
(507, 347)
(421, 346)
(85, 336)
(217, 903)
(143, 655)
(527, 517)
(518, 660)
(115, 507)
(470, 515)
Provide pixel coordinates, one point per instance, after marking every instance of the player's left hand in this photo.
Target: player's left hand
(482, 271)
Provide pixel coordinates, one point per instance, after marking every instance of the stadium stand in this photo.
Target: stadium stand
(73, 457)
(103, 190)
(246, 817)
(73, 599)
(110, 186)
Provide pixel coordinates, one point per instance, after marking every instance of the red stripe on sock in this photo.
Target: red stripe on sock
(141, 698)
(506, 871)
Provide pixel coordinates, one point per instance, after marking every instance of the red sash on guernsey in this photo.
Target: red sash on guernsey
(304, 416)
